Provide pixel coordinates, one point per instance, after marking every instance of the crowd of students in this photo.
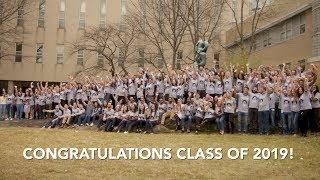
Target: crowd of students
(262, 100)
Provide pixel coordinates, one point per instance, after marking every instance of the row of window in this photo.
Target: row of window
(80, 58)
(60, 54)
(62, 13)
(282, 32)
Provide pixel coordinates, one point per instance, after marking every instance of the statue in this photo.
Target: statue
(201, 49)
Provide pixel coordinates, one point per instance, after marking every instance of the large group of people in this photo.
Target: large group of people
(263, 100)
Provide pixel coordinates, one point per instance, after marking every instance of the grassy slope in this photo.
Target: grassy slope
(15, 139)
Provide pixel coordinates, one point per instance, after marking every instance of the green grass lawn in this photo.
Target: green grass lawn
(305, 164)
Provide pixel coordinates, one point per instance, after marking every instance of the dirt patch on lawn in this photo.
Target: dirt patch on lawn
(24, 123)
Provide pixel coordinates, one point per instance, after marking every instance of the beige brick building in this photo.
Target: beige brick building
(289, 34)
(41, 51)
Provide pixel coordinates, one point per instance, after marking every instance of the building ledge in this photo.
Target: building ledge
(274, 23)
(314, 59)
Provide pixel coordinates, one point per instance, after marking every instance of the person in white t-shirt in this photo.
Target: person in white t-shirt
(3, 103)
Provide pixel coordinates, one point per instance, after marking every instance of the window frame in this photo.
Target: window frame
(20, 13)
(100, 60)
(60, 55)
(39, 54)
(18, 53)
(103, 16)
(82, 15)
(62, 15)
(41, 16)
(80, 57)
(302, 24)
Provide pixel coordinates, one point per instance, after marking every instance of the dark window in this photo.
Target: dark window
(216, 58)
(179, 59)
(18, 56)
(39, 54)
(100, 61)
(80, 57)
(141, 57)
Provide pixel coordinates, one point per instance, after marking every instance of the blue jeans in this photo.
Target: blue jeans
(186, 122)
(81, 119)
(20, 108)
(263, 120)
(2, 111)
(286, 122)
(295, 118)
(220, 123)
(9, 108)
(111, 123)
(242, 122)
(272, 119)
(122, 125)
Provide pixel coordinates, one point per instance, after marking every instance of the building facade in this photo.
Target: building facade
(45, 30)
(290, 34)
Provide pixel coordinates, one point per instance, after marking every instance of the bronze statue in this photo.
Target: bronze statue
(201, 49)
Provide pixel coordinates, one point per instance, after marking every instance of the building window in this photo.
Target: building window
(39, 52)
(179, 59)
(1, 12)
(80, 57)
(121, 57)
(160, 60)
(289, 29)
(18, 56)
(60, 53)
(42, 7)
(286, 32)
(103, 13)
(267, 39)
(141, 57)
(123, 7)
(235, 8)
(20, 14)
(216, 61)
(302, 23)
(143, 14)
(123, 14)
(283, 33)
(62, 14)
(100, 60)
(82, 14)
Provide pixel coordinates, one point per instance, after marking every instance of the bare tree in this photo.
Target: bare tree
(99, 41)
(203, 18)
(12, 13)
(161, 25)
(126, 39)
(115, 45)
(246, 28)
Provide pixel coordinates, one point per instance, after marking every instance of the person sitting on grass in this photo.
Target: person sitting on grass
(133, 118)
(115, 118)
(81, 115)
(178, 116)
(108, 115)
(85, 118)
(74, 114)
(152, 118)
(96, 114)
(124, 117)
(56, 118)
(188, 113)
(198, 115)
(66, 115)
